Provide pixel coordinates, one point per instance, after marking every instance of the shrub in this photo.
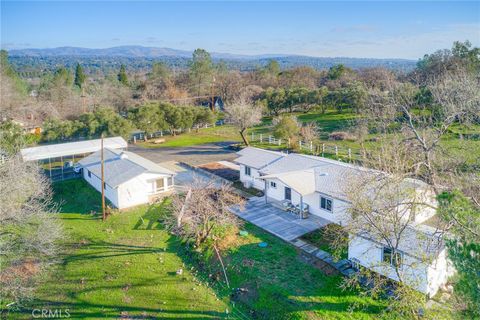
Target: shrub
(341, 135)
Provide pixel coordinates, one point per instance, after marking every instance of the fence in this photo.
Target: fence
(309, 147)
(141, 135)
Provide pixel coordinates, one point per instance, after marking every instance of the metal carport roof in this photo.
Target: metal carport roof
(71, 148)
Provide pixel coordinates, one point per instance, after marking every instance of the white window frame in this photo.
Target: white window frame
(163, 188)
(273, 184)
(247, 168)
(326, 199)
(392, 256)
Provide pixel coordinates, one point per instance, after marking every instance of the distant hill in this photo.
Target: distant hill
(139, 57)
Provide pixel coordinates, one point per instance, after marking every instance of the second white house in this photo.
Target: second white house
(129, 179)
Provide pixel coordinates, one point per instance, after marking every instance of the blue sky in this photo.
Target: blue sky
(378, 29)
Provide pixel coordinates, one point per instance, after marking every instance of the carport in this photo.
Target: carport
(58, 159)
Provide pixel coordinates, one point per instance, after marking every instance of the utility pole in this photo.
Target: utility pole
(213, 97)
(103, 182)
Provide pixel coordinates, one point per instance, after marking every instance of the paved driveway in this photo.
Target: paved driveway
(185, 175)
(284, 225)
(193, 155)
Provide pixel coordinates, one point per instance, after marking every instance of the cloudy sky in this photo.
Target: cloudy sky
(378, 29)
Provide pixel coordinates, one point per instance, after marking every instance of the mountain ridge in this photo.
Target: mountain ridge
(153, 52)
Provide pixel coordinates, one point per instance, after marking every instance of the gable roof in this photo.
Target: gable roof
(308, 174)
(121, 166)
(257, 158)
(302, 181)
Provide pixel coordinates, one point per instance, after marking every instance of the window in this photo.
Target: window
(273, 184)
(170, 181)
(247, 171)
(160, 184)
(326, 204)
(89, 173)
(392, 257)
(288, 193)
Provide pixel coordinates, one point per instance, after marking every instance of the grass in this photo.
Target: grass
(324, 237)
(203, 136)
(126, 267)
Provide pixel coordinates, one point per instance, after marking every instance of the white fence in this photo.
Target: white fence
(309, 147)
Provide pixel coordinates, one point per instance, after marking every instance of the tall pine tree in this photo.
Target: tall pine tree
(122, 75)
(79, 76)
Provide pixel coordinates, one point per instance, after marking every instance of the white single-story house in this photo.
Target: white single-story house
(251, 161)
(317, 184)
(129, 179)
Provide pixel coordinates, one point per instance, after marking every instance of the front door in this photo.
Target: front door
(288, 193)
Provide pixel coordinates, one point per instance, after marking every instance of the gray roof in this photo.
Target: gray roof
(121, 166)
(258, 158)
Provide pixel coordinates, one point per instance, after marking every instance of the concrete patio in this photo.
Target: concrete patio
(284, 225)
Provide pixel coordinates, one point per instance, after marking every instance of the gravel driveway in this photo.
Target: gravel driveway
(193, 155)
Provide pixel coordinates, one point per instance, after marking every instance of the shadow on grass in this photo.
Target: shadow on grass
(97, 311)
(153, 216)
(103, 249)
(279, 285)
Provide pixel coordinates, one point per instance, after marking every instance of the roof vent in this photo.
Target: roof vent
(123, 155)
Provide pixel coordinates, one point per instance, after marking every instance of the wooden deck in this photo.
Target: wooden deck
(284, 225)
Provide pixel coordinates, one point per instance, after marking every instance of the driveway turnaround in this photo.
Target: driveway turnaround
(284, 225)
(193, 155)
(185, 175)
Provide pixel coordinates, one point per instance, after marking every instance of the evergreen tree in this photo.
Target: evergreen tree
(79, 76)
(122, 75)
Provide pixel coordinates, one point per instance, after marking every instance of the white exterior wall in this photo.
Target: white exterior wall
(339, 210)
(130, 193)
(426, 278)
(439, 272)
(278, 193)
(338, 214)
(252, 180)
(96, 182)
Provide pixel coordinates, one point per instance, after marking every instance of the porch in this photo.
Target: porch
(285, 225)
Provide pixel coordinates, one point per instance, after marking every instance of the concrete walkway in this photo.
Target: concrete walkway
(284, 225)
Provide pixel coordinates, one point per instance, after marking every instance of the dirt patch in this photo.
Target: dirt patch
(221, 171)
(247, 293)
(317, 263)
(23, 270)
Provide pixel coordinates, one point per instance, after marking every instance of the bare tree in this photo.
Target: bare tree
(199, 214)
(243, 114)
(310, 131)
(29, 230)
(455, 99)
(385, 208)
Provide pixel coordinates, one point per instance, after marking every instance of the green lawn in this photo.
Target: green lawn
(127, 267)
(209, 135)
(323, 238)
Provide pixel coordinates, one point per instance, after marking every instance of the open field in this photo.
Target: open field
(126, 267)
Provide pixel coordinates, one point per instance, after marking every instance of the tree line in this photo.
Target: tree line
(149, 118)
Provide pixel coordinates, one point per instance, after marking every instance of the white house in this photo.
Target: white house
(251, 160)
(129, 179)
(318, 185)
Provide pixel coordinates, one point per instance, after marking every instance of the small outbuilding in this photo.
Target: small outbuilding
(129, 179)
